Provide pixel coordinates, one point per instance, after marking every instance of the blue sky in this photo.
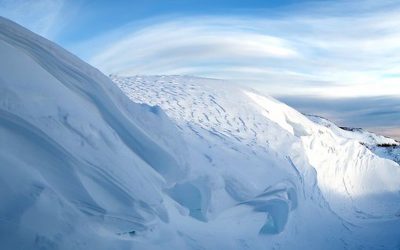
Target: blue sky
(83, 19)
(325, 51)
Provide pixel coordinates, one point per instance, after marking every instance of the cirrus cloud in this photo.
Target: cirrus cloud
(186, 45)
(339, 49)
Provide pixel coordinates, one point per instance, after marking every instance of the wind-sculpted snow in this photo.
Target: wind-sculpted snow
(84, 167)
(73, 147)
(255, 141)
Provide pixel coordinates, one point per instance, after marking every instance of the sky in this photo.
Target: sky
(339, 59)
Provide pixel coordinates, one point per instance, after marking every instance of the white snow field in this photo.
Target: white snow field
(191, 163)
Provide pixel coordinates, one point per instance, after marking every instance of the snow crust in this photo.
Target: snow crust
(187, 163)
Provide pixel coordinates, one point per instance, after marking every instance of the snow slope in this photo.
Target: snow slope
(358, 134)
(77, 157)
(84, 167)
(256, 141)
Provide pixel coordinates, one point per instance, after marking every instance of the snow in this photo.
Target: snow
(382, 146)
(358, 134)
(256, 143)
(73, 144)
(174, 162)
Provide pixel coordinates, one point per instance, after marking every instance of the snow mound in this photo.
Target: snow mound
(254, 142)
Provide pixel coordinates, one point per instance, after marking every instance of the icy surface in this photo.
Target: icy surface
(191, 164)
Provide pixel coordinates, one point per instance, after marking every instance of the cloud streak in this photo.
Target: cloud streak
(330, 50)
(185, 46)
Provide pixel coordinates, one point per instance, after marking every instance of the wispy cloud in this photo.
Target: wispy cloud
(188, 45)
(41, 16)
(335, 49)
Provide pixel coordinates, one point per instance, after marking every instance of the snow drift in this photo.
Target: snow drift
(258, 144)
(84, 167)
(77, 157)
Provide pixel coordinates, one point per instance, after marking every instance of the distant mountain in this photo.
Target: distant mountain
(187, 163)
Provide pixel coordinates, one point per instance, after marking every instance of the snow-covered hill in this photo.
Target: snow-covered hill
(191, 164)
